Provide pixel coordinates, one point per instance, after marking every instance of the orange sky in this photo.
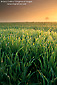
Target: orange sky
(36, 11)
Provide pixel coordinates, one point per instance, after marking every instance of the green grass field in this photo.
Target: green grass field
(28, 53)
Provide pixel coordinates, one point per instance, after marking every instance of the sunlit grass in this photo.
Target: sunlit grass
(28, 53)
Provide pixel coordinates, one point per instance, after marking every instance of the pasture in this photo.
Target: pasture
(28, 53)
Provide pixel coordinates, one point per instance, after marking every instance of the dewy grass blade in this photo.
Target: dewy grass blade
(41, 74)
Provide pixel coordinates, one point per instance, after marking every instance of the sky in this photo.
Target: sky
(37, 11)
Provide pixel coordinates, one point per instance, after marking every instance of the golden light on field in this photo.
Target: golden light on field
(37, 11)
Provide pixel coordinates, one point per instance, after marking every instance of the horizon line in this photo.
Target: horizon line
(30, 22)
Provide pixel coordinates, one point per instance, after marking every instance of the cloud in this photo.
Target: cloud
(46, 18)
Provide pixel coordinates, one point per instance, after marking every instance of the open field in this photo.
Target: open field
(28, 53)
